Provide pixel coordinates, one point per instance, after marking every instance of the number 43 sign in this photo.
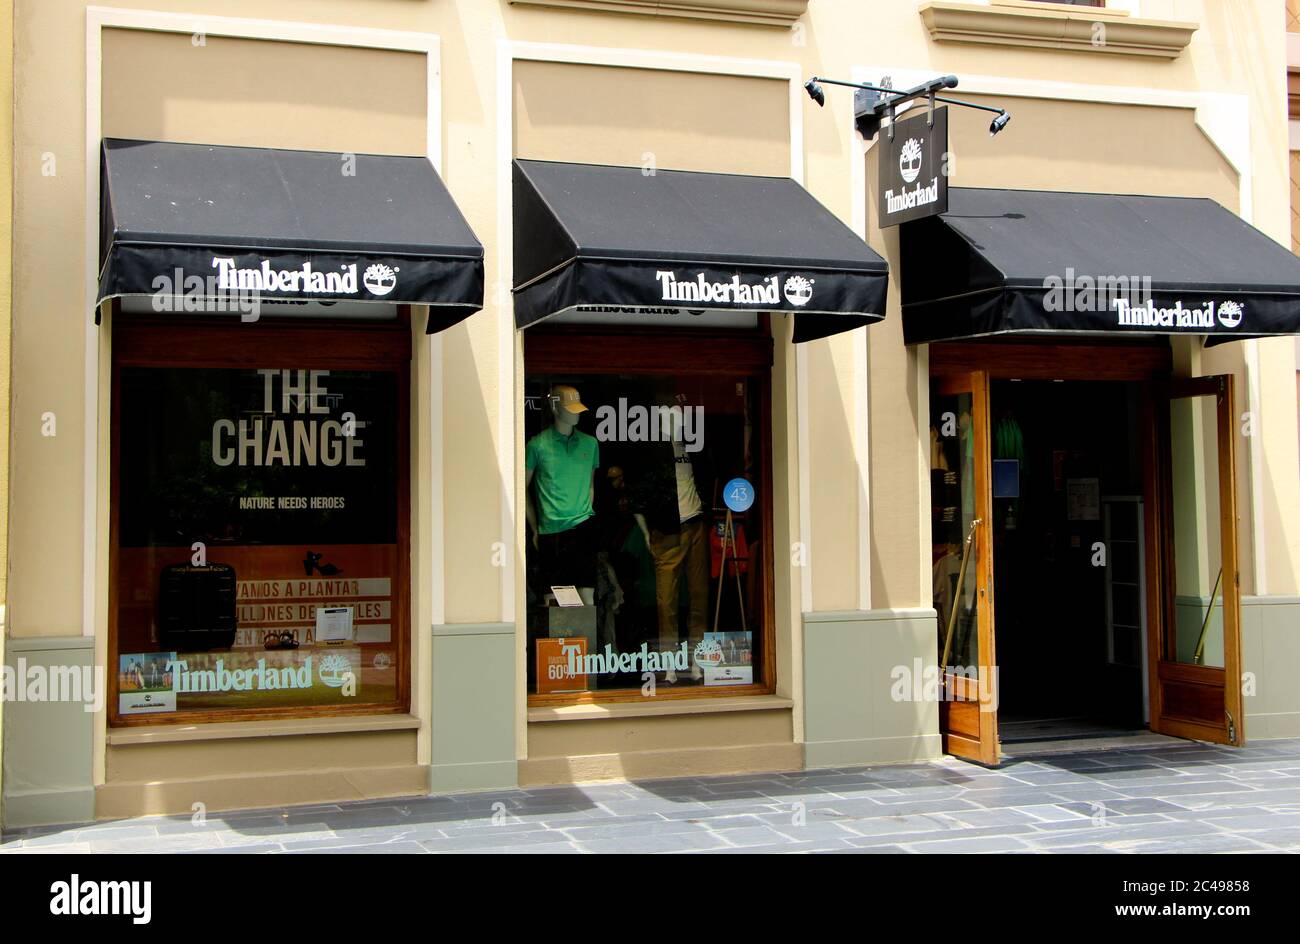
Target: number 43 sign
(738, 495)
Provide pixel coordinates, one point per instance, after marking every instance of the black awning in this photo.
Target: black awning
(595, 236)
(286, 225)
(1027, 261)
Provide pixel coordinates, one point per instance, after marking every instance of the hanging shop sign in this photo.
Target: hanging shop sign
(913, 179)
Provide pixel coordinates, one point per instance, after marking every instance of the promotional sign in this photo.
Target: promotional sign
(738, 495)
(726, 658)
(266, 456)
(287, 479)
(913, 168)
(145, 683)
(555, 673)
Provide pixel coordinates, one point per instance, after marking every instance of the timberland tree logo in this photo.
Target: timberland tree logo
(909, 161)
(1230, 313)
(798, 290)
(335, 670)
(380, 279)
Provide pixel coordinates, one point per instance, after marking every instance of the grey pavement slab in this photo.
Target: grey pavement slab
(1188, 798)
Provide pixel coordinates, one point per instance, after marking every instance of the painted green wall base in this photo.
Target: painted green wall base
(473, 723)
(1270, 648)
(852, 662)
(48, 744)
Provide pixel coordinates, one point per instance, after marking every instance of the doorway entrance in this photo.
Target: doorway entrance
(1082, 509)
(1067, 529)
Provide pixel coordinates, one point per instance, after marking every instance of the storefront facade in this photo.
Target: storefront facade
(805, 596)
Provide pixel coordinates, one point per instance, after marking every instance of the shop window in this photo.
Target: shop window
(648, 555)
(260, 557)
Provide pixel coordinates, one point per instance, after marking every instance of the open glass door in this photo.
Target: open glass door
(1195, 653)
(962, 559)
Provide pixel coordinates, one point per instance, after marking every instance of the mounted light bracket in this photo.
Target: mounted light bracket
(872, 104)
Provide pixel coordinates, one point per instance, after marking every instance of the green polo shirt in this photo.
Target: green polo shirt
(562, 467)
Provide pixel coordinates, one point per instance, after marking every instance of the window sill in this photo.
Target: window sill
(675, 706)
(754, 12)
(1055, 26)
(237, 730)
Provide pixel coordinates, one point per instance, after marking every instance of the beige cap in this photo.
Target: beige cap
(568, 398)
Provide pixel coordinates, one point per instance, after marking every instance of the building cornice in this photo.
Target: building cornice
(754, 12)
(1055, 26)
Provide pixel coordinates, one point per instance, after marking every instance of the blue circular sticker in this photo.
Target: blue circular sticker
(738, 494)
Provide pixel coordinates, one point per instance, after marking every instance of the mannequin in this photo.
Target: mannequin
(678, 540)
(561, 463)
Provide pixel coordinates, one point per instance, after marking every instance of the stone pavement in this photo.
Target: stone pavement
(1168, 797)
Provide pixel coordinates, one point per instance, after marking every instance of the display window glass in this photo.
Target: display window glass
(648, 533)
(259, 540)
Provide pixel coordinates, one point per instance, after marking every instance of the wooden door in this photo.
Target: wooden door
(962, 561)
(1195, 652)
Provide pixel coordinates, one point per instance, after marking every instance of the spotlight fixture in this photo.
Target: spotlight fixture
(872, 104)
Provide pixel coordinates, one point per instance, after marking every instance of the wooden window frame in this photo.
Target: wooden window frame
(600, 349)
(214, 342)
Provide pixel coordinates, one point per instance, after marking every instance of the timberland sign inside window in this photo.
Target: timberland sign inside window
(259, 545)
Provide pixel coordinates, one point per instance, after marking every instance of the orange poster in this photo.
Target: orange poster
(554, 672)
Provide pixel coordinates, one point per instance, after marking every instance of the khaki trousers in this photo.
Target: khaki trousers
(678, 556)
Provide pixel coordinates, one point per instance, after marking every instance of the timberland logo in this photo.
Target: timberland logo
(1230, 313)
(259, 678)
(609, 661)
(919, 196)
(304, 280)
(380, 279)
(1128, 315)
(798, 290)
(909, 160)
(335, 670)
(77, 897)
(766, 293)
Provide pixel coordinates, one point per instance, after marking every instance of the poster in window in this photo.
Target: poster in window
(289, 477)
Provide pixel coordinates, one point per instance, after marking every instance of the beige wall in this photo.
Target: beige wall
(638, 117)
(6, 284)
(255, 93)
(325, 97)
